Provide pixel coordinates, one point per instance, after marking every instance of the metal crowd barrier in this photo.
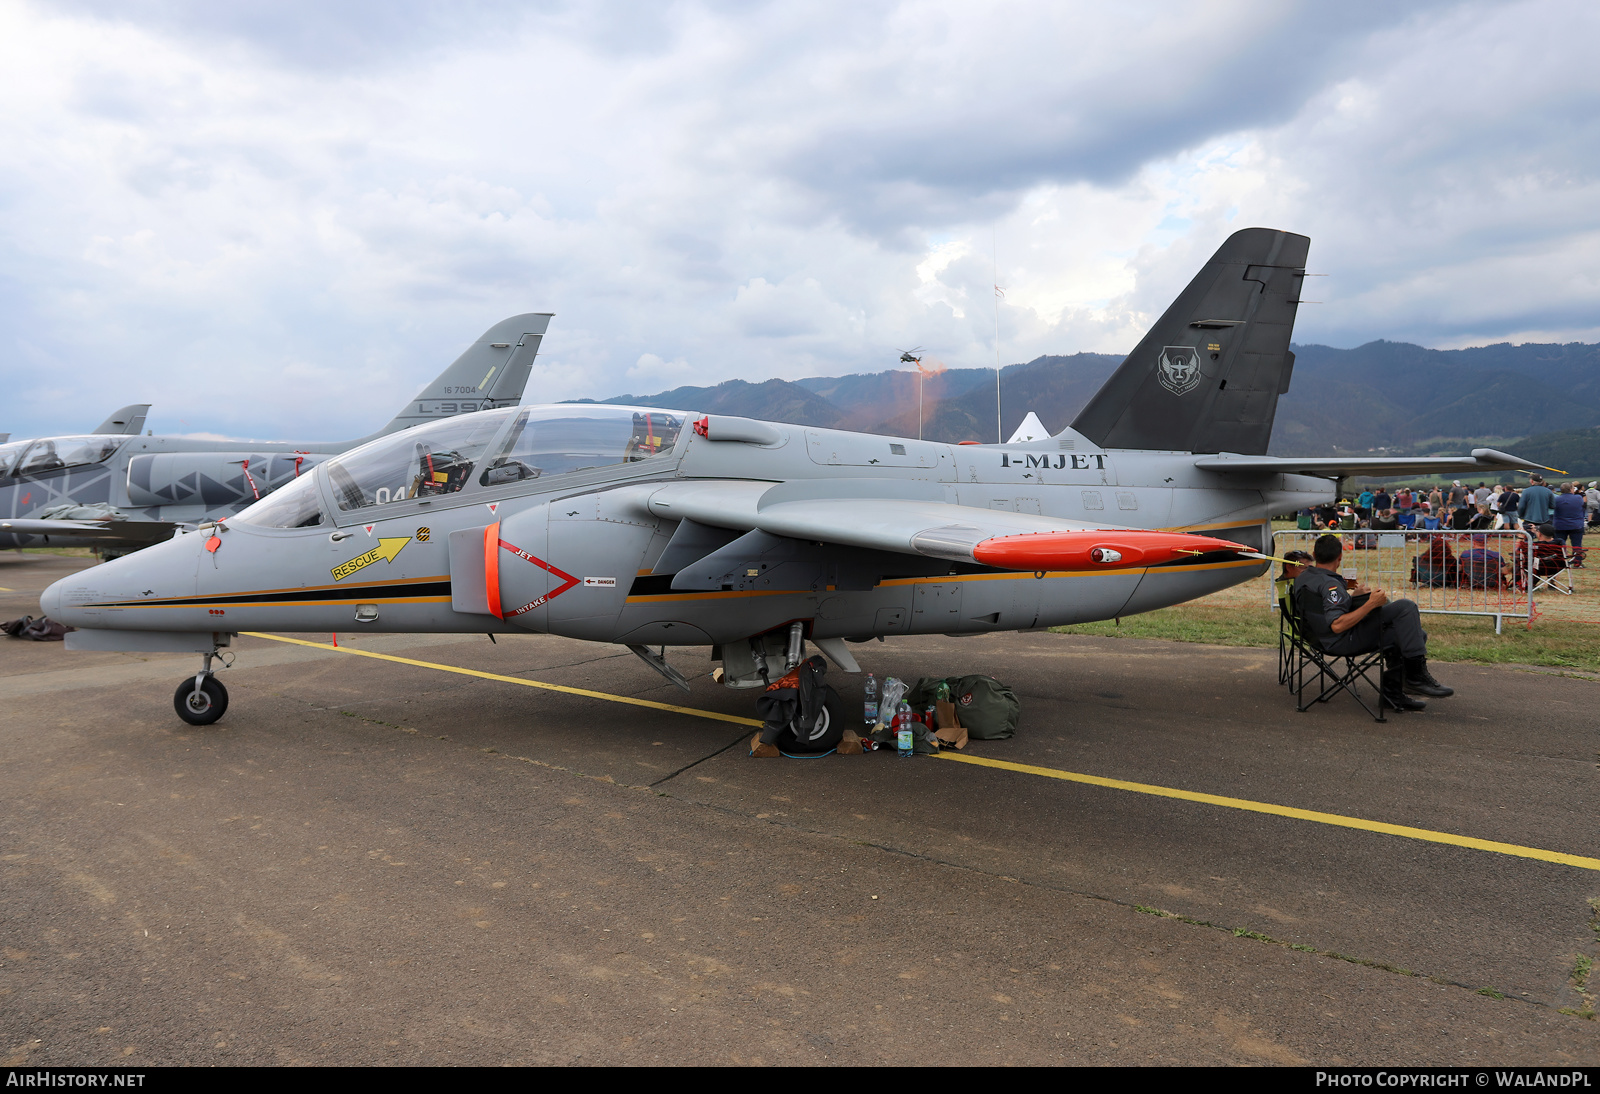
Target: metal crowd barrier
(1425, 566)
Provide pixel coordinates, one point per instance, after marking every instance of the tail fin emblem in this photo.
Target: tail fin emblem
(1180, 369)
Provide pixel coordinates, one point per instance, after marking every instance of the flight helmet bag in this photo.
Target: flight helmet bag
(987, 708)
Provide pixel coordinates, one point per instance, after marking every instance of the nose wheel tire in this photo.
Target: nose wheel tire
(825, 734)
(204, 708)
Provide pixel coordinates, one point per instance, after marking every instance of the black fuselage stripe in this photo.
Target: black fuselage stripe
(355, 592)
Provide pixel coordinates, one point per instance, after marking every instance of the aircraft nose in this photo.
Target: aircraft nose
(92, 598)
(50, 600)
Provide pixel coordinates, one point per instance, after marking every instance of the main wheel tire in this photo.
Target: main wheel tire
(827, 733)
(202, 709)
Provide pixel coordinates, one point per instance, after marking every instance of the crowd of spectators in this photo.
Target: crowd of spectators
(1558, 514)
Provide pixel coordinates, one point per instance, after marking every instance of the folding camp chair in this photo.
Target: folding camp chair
(1306, 666)
(1549, 569)
(1285, 588)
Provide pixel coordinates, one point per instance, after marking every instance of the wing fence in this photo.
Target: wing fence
(1445, 571)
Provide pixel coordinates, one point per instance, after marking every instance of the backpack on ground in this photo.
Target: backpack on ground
(988, 709)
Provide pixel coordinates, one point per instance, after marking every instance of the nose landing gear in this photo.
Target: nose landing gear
(202, 699)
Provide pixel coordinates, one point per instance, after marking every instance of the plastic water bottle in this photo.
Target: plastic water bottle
(904, 740)
(870, 712)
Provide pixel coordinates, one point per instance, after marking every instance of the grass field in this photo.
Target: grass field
(1565, 631)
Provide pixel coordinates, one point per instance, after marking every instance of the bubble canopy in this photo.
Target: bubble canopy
(297, 505)
(33, 457)
(422, 462)
(505, 446)
(556, 440)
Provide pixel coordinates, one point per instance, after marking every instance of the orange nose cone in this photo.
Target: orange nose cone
(1111, 550)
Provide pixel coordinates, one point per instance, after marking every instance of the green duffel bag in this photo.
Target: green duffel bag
(987, 708)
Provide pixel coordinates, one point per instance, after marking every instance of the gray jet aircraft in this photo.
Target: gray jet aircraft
(655, 528)
(150, 486)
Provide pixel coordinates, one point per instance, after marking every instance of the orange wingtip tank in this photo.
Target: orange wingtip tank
(1110, 550)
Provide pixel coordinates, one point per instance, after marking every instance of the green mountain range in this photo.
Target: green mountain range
(1540, 401)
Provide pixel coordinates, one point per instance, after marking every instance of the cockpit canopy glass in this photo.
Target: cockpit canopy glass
(296, 505)
(9, 454)
(51, 453)
(554, 440)
(425, 461)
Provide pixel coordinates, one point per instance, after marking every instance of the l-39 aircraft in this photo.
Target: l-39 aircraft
(654, 528)
(158, 484)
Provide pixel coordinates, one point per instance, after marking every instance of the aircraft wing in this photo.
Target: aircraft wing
(133, 532)
(857, 513)
(1338, 467)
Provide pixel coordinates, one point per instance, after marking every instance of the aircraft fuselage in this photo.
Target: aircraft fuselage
(584, 549)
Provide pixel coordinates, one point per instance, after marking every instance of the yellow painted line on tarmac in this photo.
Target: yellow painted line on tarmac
(628, 699)
(1425, 834)
(1290, 811)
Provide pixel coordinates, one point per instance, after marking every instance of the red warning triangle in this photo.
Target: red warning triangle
(369, 528)
(493, 507)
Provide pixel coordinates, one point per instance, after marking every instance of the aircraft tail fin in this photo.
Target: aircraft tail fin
(491, 373)
(128, 421)
(1208, 375)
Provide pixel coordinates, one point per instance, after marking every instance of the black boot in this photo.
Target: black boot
(1392, 692)
(1419, 681)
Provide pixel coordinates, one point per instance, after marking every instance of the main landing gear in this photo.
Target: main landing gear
(202, 699)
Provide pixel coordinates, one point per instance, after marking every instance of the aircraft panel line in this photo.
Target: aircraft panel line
(1335, 819)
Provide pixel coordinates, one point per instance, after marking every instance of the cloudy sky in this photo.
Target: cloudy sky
(278, 218)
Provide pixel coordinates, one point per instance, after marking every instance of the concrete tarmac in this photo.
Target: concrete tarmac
(367, 862)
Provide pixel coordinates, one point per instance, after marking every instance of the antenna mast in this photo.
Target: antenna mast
(994, 256)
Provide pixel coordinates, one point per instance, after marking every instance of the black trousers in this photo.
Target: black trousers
(1396, 625)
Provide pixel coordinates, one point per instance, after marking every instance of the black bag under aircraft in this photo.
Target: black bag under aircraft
(800, 713)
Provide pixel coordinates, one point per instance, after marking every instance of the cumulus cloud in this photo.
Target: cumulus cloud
(282, 219)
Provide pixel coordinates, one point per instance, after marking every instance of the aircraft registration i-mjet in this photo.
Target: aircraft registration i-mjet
(146, 487)
(655, 528)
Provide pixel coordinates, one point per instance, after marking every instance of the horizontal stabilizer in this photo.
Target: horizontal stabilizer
(1339, 467)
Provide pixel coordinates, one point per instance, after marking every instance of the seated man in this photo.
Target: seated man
(1435, 567)
(1341, 626)
(1549, 557)
(1294, 564)
(1385, 521)
(1480, 568)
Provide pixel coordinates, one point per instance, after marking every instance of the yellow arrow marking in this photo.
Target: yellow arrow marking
(386, 550)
